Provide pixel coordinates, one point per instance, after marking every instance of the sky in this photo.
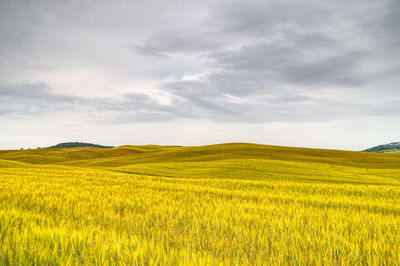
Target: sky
(305, 73)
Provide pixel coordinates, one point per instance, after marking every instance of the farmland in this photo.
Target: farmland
(217, 204)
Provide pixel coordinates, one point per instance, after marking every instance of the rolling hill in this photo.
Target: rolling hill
(231, 160)
(224, 204)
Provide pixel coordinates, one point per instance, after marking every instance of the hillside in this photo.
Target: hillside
(225, 204)
(141, 154)
(391, 147)
(231, 160)
(63, 155)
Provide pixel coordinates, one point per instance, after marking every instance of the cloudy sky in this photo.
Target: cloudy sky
(305, 73)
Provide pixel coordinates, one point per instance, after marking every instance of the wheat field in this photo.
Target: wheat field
(315, 208)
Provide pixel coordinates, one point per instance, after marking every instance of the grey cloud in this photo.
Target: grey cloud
(230, 22)
(36, 99)
(178, 41)
(202, 98)
(281, 42)
(27, 100)
(383, 23)
(280, 104)
(30, 99)
(258, 61)
(343, 69)
(149, 49)
(262, 18)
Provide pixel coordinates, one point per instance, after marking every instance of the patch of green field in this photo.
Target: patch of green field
(392, 152)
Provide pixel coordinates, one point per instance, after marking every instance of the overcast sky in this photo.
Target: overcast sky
(296, 73)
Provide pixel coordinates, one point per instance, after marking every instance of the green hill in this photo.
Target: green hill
(391, 147)
(78, 144)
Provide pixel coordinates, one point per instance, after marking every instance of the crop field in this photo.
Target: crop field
(227, 204)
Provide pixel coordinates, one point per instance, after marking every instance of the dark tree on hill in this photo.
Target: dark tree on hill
(78, 144)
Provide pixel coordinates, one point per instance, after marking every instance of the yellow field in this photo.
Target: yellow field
(224, 204)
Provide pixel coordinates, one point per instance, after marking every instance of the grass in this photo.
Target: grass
(218, 204)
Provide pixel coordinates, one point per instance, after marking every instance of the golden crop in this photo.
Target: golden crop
(53, 215)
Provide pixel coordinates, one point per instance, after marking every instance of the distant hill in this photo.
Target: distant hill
(394, 146)
(78, 144)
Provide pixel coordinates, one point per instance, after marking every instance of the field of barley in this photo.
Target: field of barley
(227, 204)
